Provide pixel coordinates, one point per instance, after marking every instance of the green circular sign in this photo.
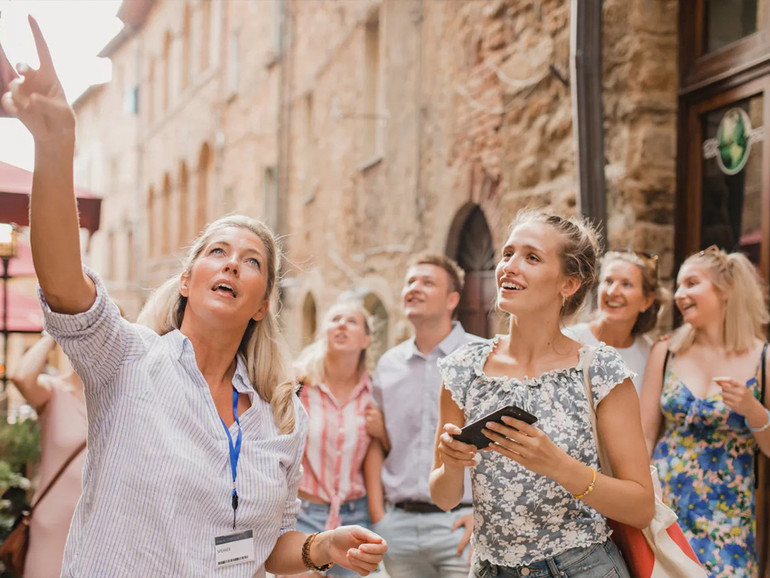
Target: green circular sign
(733, 141)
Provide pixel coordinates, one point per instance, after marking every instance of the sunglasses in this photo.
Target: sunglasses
(711, 249)
(648, 259)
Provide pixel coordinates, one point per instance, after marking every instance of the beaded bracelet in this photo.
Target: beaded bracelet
(590, 487)
(306, 555)
(759, 429)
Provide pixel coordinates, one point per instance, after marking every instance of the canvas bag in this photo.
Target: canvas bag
(660, 550)
(13, 550)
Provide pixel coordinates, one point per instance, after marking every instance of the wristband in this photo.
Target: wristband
(590, 487)
(306, 555)
(759, 429)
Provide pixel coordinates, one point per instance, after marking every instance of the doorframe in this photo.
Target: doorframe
(689, 175)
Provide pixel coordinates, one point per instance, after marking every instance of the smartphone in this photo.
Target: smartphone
(471, 433)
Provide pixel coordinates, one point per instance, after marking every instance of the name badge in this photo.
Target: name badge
(234, 548)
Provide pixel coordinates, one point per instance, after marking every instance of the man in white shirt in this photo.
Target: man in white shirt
(423, 541)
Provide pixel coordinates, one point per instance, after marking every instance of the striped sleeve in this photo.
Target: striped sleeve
(96, 341)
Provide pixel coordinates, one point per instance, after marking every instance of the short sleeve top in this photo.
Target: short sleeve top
(521, 517)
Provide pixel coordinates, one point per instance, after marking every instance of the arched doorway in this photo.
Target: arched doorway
(472, 247)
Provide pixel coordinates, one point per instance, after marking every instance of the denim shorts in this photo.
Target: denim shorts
(597, 561)
(312, 518)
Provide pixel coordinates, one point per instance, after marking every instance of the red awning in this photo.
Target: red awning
(24, 313)
(15, 186)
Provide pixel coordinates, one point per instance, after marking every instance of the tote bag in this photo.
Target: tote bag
(660, 550)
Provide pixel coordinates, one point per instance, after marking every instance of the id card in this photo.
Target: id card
(234, 548)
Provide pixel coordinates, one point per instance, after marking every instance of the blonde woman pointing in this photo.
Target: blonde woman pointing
(195, 437)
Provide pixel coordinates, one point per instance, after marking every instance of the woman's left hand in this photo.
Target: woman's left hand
(356, 548)
(737, 396)
(526, 445)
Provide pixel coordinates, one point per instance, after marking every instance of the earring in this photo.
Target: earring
(563, 301)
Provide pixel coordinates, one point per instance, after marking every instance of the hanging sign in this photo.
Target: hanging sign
(732, 145)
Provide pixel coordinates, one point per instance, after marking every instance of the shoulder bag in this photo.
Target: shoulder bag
(13, 550)
(660, 550)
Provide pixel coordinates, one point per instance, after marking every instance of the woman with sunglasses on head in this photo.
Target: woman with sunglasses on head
(539, 503)
(704, 387)
(629, 301)
(336, 391)
(195, 436)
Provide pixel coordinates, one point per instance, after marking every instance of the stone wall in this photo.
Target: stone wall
(378, 155)
(640, 107)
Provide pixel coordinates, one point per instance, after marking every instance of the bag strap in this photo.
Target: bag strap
(665, 363)
(587, 359)
(75, 454)
(762, 383)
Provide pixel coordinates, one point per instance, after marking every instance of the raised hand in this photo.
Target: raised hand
(37, 98)
(739, 398)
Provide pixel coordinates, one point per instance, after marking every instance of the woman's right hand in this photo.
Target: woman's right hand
(37, 98)
(455, 454)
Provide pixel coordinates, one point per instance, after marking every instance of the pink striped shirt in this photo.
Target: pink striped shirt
(336, 445)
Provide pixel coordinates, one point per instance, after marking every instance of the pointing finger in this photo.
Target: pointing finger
(43, 53)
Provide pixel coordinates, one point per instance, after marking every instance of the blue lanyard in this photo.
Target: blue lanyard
(235, 450)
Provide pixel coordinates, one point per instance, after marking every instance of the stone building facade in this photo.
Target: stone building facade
(364, 131)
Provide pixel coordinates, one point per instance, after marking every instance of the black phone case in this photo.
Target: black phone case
(471, 433)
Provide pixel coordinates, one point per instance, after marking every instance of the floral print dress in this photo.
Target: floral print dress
(705, 461)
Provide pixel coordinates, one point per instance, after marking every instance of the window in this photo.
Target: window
(309, 320)
(166, 80)
(234, 63)
(151, 91)
(112, 256)
(372, 90)
(201, 198)
(205, 34)
(270, 186)
(186, 52)
(722, 191)
(184, 203)
(721, 37)
(131, 100)
(164, 220)
(727, 21)
(151, 222)
(131, 251)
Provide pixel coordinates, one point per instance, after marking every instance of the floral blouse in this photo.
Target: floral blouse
(521, 517)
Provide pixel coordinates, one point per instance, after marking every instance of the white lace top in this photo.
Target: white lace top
(521, 517)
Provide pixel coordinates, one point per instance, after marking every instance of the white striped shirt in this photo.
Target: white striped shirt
(336, 445)
(157, 482)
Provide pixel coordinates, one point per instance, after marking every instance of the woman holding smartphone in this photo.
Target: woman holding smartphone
(195, 436)
(539, 501)
(710, 405)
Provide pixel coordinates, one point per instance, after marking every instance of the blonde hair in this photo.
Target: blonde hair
(310, 364)
(647, 319)
(745, 315)
(579, 251)
(261, 345)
